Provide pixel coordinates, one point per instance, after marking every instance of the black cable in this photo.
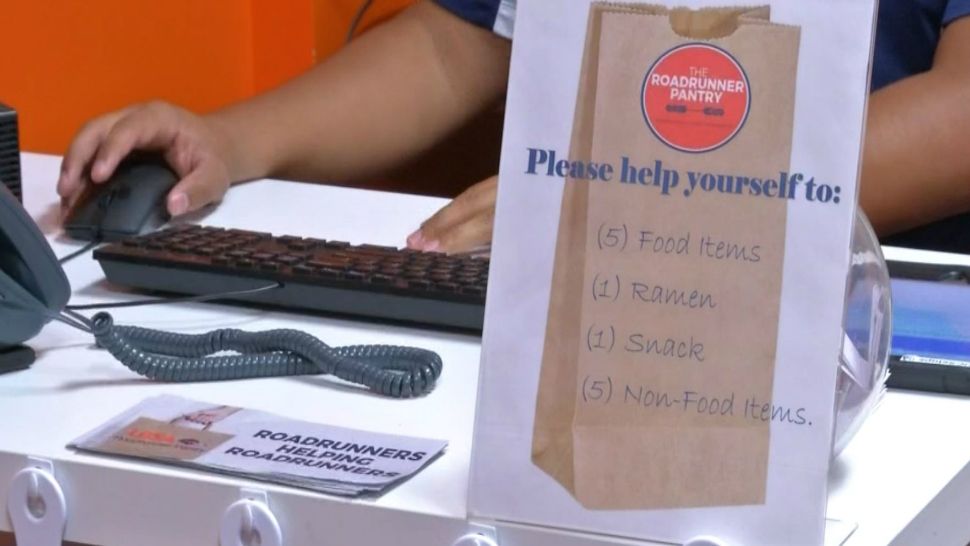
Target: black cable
(78, 317)
(165, 301)
(358, 17)
(388, 370)
(398, 372)
(393, 371)
(70, 321)
(78, 252)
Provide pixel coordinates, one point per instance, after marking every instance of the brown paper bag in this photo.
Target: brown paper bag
(660, 343)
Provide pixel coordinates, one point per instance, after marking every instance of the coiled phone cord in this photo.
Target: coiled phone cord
(393, 371)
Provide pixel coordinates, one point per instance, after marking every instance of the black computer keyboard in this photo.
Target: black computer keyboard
(317, 275)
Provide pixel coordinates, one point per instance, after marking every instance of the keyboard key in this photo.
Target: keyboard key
(473, 290)
(301, 245)
(329, 263)
(328, 273)
(376, 249)
(382, 279)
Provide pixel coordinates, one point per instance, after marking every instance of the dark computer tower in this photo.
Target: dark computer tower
(9, 151)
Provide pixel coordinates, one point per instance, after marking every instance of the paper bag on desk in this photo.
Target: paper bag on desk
(663, 311)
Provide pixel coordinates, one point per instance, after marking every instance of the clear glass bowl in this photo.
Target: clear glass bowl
(864, 362)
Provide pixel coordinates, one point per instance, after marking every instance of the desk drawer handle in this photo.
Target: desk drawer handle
(37, 507)
(478, 535)
(250, 522)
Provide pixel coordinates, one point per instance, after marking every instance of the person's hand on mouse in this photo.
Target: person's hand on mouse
(462, 225)
(193, 148)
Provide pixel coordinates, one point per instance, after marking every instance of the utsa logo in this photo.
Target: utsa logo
(149, 436)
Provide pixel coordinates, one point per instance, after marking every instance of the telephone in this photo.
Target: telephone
(35, 291)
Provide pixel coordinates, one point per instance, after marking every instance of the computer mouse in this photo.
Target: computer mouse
(131, 202)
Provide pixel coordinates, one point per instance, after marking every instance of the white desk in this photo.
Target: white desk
(904, 480)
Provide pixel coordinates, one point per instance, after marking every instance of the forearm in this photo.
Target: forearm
(916, 165)
(388, 96)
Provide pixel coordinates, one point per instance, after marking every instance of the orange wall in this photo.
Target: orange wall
(63, 62)
(333, 18)
(283, 34)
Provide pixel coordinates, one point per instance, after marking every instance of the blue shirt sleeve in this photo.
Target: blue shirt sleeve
(478, 12)
(954, 10)
(495, 15)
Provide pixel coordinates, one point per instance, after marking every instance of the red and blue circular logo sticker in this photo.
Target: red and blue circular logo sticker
(696, 97)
